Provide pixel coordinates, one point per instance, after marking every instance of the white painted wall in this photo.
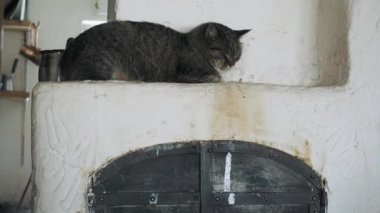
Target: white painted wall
(61, 19)
(58, 21)
(80, 126)
(293, 42)
(15, 169)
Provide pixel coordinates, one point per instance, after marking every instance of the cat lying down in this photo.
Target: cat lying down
(142, 51)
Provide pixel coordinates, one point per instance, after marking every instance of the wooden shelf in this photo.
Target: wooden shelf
(23, 26)
(18, 25)
(14, 94)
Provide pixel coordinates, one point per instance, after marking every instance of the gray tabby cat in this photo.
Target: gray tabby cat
(142, 51)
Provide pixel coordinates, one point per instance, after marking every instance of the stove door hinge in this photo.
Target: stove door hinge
(90, 198)
(323, 201)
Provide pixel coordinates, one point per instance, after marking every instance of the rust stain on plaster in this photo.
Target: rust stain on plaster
(237, 112)
(303, 153)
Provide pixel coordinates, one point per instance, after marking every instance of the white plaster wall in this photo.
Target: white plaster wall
(80, 126)
(293, 42)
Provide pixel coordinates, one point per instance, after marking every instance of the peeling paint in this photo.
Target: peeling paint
(231, 199)
(227, 173)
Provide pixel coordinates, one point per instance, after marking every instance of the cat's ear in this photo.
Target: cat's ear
(240, 33)
(211, 31)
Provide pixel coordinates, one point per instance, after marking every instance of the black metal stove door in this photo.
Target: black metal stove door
(216, 176)
(158, 179)
(241, 177)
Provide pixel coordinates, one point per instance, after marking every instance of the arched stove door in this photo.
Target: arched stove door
(213, 176)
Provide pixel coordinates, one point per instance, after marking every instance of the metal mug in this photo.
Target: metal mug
(3, 82)
(49, 69)
(7, 82)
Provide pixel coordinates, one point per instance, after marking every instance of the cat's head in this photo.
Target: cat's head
(222, 45)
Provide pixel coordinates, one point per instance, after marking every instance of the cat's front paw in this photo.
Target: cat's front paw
(212, 79)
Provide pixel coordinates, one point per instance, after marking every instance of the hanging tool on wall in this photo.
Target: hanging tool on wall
(7, 80)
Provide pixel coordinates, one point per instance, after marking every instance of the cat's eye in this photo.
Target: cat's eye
(215, 49)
